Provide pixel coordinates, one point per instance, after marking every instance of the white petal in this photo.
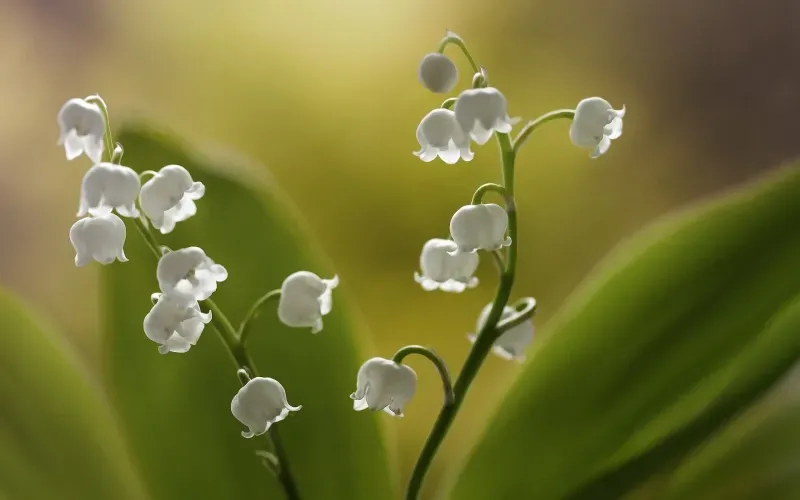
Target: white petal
(73, 145)
(602, 147)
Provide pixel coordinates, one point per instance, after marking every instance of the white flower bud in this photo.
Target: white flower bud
(259, 404)
(169, 196)
(82, 129)
(481, 112)
(480, 227)
(595, 124)
(439, 134)
(106, 187)
(174, 323)
(441, 270)
(511, 344)
(101, 238)
(437, 73)
(188, 272)
(382, 384)
(305, 299)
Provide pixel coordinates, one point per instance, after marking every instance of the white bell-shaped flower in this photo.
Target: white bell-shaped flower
(442, 270)
(101, 238)
(305, 299)
(481, 112)
(437, 73)
(169, 196)
(595, 124)
(480, 227)
(174, 323)
(82, 129)
(106, 187)
(259, 404)
(511, 344)
(189, 272)
(439, 134)
(382, 384)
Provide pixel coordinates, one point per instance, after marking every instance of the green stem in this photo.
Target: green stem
(528, 129)
(252, 314)
(478, 196)
(434, 358)
(486, 335)
(449, 102)
(457, 40)
(148, 236)
(242, 358)
(109, 139)
(521, 316)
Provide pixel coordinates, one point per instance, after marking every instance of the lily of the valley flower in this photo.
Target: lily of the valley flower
(106, 187)
(437, 73)
(382, 384)
(305, 299)
(100, 238)
(512, 343)
(441, 270)
(439, 134)
(259, 404)
(82, 128)
(189, 272)
(595, 124)
(169, 196)
(482, 111)
(174, 323)
(479, 227)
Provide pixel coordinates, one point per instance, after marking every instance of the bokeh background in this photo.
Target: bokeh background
(324, 95)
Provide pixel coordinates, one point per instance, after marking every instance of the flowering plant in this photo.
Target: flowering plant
(158, 201)
(561, 432)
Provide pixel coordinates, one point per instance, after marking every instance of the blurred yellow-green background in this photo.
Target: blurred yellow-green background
(324, 95)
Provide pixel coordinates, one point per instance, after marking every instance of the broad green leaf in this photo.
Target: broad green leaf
(643, 349)
(176, 407)
(758, 454)
(58, 438)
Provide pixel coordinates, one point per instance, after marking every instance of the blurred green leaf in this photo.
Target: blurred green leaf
(653, 339)
(176, 408)
(758, 454)
(57, 435)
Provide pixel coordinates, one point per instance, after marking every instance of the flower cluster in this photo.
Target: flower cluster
(449, 265)
(187, 277)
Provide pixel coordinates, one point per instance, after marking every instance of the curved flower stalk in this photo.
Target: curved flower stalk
(503, 329)
(187, 277)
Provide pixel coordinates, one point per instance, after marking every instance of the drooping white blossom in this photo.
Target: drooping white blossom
(100, 238)
(107, 187)
(382, 384)
(437, 73)
(481, 112)
(82, 129)
(595, 124)
(441, 270)
(480, 227)
(259, 404)
(512, 343)
(174, 323)
(189, 272)
(305, 299)
(440, 135)
(169, 196)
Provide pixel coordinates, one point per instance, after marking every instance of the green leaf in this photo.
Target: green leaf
(757, 455)
(644, 348)
(57, 435)
(176, 408)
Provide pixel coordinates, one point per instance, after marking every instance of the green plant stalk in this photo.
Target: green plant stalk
(486, 336)
(438, 362)
(222, 326)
